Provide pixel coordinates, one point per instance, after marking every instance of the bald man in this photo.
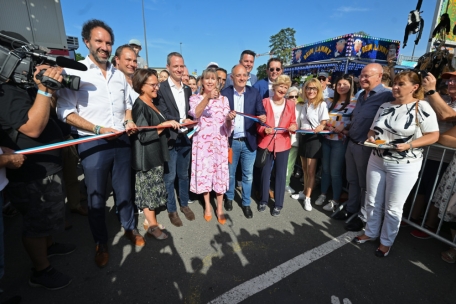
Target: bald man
(357, 156)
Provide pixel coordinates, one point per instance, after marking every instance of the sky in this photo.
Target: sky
(219, 31)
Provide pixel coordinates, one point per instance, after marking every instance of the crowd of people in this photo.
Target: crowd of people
(176, 137)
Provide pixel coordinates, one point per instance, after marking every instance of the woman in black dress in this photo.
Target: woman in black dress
(150, 149)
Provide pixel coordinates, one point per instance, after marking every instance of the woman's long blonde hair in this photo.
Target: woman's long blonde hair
(319, 98)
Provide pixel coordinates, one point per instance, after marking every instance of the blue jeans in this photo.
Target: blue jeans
(179, 161)
(241, 152)
(333, 164)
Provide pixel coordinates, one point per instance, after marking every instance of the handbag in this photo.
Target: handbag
(263, 154)
(230, 155)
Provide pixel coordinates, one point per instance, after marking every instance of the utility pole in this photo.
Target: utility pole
(145, 35)
(181, 48)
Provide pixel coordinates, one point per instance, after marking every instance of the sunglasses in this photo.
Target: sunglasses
(321, 78)
(293, 97)
(276, 69)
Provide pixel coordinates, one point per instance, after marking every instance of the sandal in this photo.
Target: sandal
(146, 226)
(449, 256)
(161, 237)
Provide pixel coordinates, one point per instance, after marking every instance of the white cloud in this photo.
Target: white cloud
(349, 9)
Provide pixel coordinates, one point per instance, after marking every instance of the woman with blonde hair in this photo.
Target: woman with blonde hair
(408, 123)
(280, 113)
(313, 116)
(293, 95)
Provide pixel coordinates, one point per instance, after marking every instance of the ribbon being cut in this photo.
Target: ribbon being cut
(73, 142)
(252, 117)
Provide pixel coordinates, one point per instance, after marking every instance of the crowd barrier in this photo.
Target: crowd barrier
(407, 218)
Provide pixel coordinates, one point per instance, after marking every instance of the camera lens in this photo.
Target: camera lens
(71, 82)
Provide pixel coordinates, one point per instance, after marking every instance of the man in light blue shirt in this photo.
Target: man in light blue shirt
(247, 60)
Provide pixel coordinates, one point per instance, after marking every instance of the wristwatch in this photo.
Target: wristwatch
(429, 93)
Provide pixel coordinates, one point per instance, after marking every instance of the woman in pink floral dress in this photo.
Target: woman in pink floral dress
(210, 143)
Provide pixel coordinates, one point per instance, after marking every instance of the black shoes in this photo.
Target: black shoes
(262, 207)
(342, 215)
(228, 205)
(247, 211)
(276, 212)
(355, 224)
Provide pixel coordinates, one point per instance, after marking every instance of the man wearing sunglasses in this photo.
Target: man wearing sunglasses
(274, 70)
(327, 91)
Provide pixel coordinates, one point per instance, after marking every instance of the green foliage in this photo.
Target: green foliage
(282, 43)
(261, 71)
(79, 57)
(363, 33)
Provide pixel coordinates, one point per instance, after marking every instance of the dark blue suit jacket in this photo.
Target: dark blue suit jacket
(253, 105)
(229, 81)
(262, 86)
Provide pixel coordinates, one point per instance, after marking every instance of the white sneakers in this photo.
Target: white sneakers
(307, 204)
(299, 196)
(330, 206)
(320, 200)
(289, 190)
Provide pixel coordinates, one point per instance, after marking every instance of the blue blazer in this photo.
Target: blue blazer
(253, 105)
(229, 81)
(262, 86)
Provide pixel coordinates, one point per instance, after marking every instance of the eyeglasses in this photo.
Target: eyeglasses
(293, 97)
(312, 89)
(321, 78)
(153, 85)
(367, 76)
(276, 69)
(451, 81)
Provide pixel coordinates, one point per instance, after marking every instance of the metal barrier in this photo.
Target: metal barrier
(429, 202)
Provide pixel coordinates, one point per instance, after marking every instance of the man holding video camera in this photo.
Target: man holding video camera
(35, 189)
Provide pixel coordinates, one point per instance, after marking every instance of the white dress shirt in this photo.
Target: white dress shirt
(101, 101)
(239, 120)
(179, 97)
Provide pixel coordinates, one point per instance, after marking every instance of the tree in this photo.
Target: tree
(261, 71)
(362, 33)
(79, 57)
(282, 44)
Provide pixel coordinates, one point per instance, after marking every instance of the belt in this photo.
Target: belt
(241, 138)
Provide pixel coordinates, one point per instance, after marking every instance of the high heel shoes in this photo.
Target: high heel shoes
(357, 240)
(208, 218)
(221, 219)
(381, 254)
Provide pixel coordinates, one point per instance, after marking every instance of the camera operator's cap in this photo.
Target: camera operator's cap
(212, 65)
(135, 42)
(448, 75)
(323, 74)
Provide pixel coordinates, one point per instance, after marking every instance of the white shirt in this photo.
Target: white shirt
(179, 97)
(3, 179)
(239, 120)
(277, 110)
(328, 93)
(133, 95)
(271, 91)
(101, 101)
(311, 117)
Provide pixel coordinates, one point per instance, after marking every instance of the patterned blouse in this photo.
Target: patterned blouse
(340, 115)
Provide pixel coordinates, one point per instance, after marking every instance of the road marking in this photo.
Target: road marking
(267, 279)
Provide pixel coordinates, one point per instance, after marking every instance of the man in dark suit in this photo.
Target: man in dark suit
(247, 60)
(172, 99)
(274, 70)
(243, 140)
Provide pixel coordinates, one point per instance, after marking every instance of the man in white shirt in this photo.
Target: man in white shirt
(173, 102)
(247, 60)
(126, 62)
(102, 105)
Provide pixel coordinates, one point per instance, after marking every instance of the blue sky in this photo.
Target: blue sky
(220, 30)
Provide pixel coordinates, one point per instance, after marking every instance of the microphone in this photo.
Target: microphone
(69, 63)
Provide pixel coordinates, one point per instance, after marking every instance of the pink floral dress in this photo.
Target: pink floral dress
(210, 147)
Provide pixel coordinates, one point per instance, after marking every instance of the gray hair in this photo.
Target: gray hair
(290, 90)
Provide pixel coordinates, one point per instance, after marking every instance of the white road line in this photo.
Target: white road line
(267, 279)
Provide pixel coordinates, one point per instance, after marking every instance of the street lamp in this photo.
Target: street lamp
(145, 35)
(181, 48)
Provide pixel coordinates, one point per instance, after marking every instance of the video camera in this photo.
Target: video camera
(18, 65)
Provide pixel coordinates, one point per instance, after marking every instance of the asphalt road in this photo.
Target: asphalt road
(200, 262)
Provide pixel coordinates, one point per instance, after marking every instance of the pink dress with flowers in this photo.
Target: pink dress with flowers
(210, 147)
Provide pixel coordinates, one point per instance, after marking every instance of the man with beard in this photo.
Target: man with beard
(102, 105)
